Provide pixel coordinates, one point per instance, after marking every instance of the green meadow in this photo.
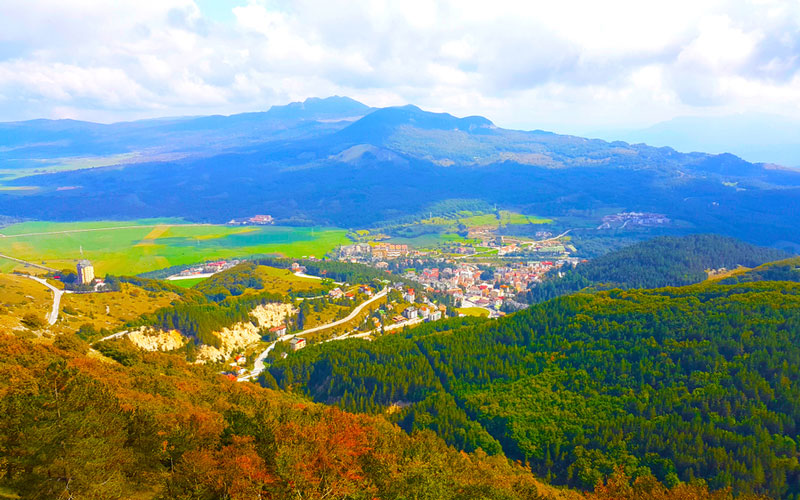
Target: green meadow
(133, 247)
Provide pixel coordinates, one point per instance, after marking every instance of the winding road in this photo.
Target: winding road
(53, 316)
(259, 366)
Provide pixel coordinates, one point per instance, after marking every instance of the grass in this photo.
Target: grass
(473, 311)
(20, 296)
(28, 167)
(134, 247)
(444, 229)
(7, 493)
(123, 306)
(275, 280)
(491, 220)
(187, 283)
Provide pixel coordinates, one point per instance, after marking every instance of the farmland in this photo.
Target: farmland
(134, 247)
(458, 227)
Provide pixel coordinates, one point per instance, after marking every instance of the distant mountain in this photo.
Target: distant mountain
(66, 138)
(659, 262)
(755, 137)
(319, 162)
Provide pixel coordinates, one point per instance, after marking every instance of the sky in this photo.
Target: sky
(557, 65)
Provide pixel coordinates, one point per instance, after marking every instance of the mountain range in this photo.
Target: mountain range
(336, 161)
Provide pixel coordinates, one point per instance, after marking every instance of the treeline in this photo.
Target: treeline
(662, 261)
(231, 282)
(700, 382)
(785, 270)
(343, 272)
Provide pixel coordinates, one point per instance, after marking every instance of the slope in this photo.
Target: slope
(663, 261)
(684, 383)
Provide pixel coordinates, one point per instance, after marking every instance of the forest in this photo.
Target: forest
(697, 382)
(82, 427)
(662, 261)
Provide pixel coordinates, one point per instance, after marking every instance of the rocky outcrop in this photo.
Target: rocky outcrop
(241, 335)
(151, 339)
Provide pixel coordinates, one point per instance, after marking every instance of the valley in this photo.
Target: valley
(570, 318)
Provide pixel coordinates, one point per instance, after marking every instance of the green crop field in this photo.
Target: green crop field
(133, 247)
(473, 311)
(477, 219)
(187, 283)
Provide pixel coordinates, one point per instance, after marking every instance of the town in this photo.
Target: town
(493, 275)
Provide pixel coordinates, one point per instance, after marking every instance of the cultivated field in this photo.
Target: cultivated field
(133, 247)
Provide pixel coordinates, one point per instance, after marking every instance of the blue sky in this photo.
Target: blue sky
(566, 66)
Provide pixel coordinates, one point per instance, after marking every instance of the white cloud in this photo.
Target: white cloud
(526, 64)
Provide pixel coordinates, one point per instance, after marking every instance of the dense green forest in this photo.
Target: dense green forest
(155, 427)
(683, 383)
(662, 261)
(783, 270)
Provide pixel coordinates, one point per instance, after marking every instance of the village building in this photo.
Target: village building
(278, 331)
(297, 343)
(410, 312)
(85, 272)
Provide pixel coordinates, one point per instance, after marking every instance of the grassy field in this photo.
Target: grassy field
(133, 247)
(473, 311)
(490, 220)
(274, 280)
(20, 296)
(443, 230)
(187, 283)
(109, 310)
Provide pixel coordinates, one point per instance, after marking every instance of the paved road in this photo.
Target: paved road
(304, 275)
(112, 336)
(66, 231)
(177, 277)
(53, 316)
(259, 366)
(31, 264)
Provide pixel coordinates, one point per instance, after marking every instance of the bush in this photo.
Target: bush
(71, 342)
(33, 321)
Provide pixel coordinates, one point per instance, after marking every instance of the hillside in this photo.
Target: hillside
(683, 383)
(782, 270)
(659, 262)
(93, 429)
(289, 163)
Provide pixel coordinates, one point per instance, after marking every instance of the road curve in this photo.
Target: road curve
(258, 366)
(53, 316)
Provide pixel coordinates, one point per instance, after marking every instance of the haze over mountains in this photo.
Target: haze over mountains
(754, 137)
(337, 161)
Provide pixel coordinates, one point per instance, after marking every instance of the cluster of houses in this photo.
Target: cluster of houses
(338, 293)
(629, 219)
(469, 284)
(207, 268)
(427, 312)
(258, 220)
(365, 252)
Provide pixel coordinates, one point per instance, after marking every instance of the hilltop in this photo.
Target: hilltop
(663, 261)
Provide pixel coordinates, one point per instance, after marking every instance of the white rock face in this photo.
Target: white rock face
(150, 339)
(270, 315)
(241, 335)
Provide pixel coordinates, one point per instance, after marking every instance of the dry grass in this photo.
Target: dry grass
(127, 304)
(20, 296)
